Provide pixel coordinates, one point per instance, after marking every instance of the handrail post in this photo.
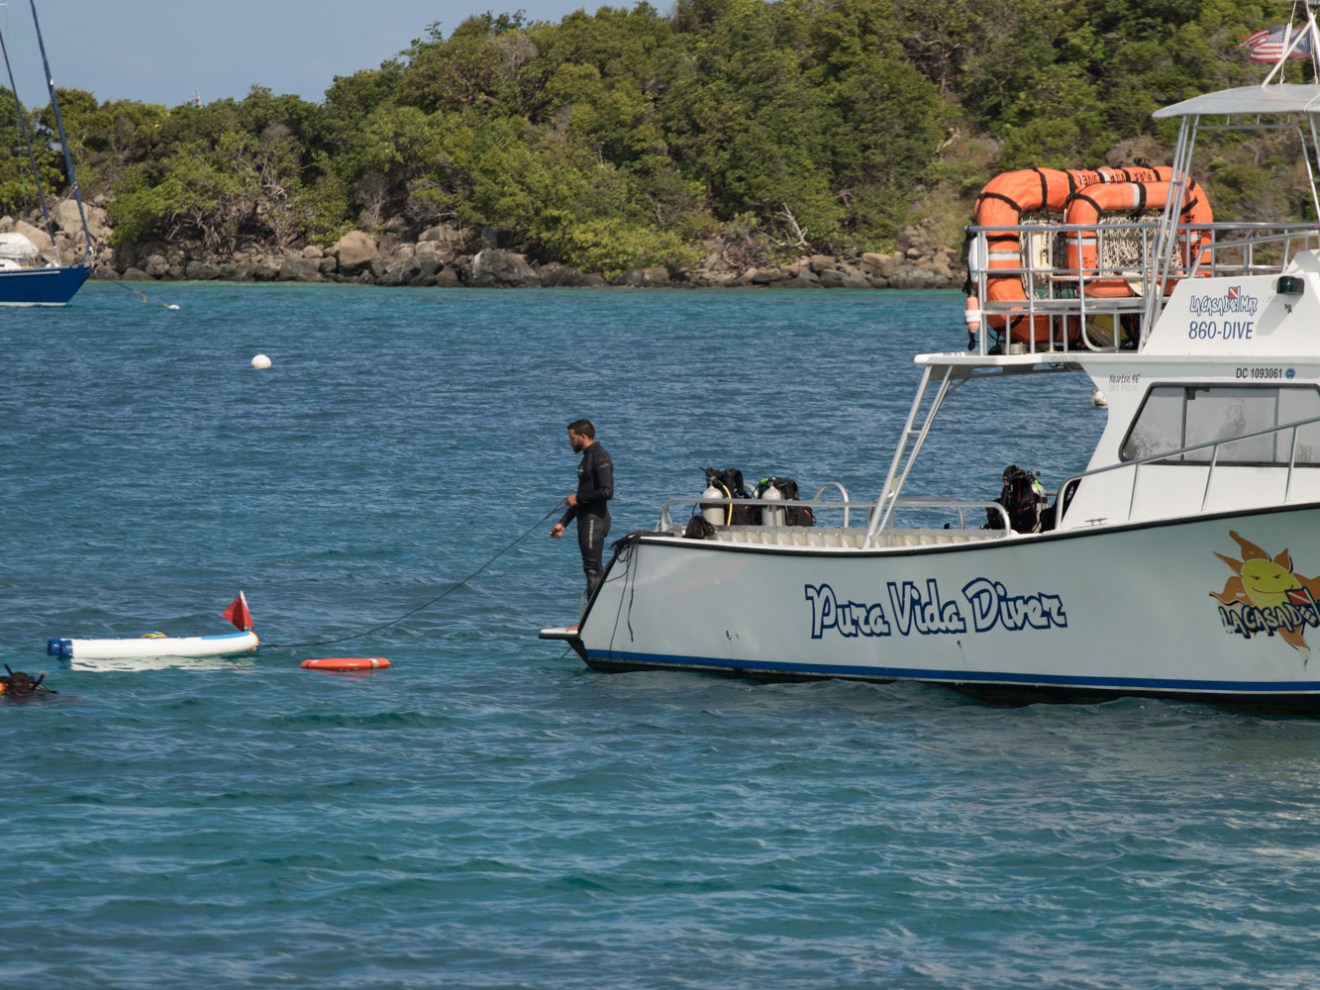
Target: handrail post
(1210, 474)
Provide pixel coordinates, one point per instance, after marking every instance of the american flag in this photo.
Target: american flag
(1269, 44)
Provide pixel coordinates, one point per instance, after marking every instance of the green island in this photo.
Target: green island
(798, 142)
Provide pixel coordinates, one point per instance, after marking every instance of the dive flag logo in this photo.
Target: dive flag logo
(1234, 291)
(1301, 596)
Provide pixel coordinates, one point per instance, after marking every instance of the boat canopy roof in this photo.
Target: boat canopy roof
(1279, 98)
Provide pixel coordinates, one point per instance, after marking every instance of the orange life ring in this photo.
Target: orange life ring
(345, 663)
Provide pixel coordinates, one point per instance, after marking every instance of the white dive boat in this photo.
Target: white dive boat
(1182, 562)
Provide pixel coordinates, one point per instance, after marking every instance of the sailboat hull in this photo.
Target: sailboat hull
(41, 286)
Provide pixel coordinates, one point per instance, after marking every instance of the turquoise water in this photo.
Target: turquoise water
(488, 813)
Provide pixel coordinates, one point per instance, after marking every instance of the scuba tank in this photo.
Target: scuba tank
(714, 514)
(769, 516)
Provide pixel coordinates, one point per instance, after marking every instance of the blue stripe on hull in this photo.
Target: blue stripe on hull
(41, 286)
(1152, 685)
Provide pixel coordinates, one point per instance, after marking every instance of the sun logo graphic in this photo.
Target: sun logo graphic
(1266, 596)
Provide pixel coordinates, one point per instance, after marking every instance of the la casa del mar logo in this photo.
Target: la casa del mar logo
(1265, 595)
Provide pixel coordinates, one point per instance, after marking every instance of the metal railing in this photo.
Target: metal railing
(1178, 456)
(1055, 306)
(958, 508)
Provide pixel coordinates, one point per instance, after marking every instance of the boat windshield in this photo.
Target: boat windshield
(1175, 416)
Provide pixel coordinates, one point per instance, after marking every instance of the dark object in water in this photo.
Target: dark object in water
(19, 685)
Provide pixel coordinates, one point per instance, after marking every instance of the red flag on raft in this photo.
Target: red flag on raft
(238, 613)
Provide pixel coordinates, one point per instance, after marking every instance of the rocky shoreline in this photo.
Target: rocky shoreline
(451, 256)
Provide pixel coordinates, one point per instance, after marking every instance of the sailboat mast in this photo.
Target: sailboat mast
(59, 126)
(27, 141)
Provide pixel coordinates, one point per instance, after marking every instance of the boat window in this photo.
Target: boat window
(1175, 416)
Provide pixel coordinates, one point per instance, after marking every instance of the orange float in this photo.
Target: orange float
(345, 663)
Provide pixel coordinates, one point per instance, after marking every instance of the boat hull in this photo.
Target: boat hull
(41, 286)
(1219, 608)
(149, 647)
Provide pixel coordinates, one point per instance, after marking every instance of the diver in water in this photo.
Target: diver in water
(17, 684)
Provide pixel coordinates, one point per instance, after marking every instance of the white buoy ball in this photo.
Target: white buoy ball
(1098, 399)
(261, 362)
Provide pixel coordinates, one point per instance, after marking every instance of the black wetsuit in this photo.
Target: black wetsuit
(592, 512)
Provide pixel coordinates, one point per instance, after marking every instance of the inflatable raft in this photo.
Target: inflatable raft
(143, 647)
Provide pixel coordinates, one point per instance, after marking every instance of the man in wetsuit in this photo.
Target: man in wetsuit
(590, 504)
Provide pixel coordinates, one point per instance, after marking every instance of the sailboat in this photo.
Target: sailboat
(27, 278)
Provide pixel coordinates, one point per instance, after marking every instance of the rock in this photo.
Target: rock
(561, 276)
(709, 279)
(853, 277)
(299, 270)
(392, 277)
(640, 278)
(135, 275)
(941, 266)
(411, 271)
(496, 268)
(355, 251)
(265, 270)
(805, 278)
(442, 234)
(202, 271)
(36, 235)
(422, 271)
(67, 217)
(872, 261)
(447, 242)
(447, 278)
(915, 278)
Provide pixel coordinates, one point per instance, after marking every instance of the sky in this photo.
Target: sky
(165, 51)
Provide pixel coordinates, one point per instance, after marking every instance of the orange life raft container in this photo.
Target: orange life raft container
(1003, 201)
(1086, 206)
